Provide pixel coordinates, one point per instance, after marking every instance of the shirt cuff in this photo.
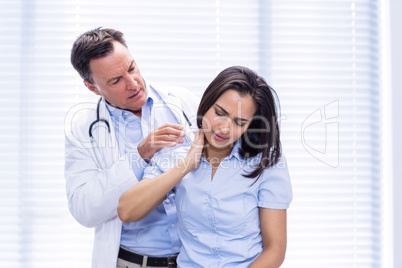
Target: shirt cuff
(273, 205)
(137, 163)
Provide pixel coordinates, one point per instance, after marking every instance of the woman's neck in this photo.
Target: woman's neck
(215, 155)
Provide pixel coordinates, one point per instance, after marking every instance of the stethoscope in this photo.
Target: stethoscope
(98, 120)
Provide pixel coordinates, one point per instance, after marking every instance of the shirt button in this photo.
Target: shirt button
(167, 201)
(172, 225)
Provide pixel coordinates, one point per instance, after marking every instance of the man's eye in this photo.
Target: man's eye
(117, 81)
(131, 70)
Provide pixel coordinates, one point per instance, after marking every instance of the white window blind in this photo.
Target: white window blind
(325, 65)
(322, 57)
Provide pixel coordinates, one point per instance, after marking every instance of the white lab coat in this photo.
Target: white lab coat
(96, 175)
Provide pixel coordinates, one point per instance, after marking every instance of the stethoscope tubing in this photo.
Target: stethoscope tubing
(98, 119)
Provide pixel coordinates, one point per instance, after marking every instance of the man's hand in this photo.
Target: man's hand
(165, 136)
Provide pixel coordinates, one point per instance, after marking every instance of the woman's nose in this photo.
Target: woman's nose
(225, 126)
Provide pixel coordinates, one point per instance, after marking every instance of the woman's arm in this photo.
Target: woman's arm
(273, 231)
(138, 201)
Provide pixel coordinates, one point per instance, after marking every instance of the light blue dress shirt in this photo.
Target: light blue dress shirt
(156, 234)
(219, 224)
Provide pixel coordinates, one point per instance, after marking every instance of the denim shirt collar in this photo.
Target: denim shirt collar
(234, 153)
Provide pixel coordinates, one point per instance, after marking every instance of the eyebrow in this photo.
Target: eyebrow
(117, 77)
(226, 113)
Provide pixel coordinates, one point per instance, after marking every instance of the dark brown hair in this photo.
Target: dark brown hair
(91, 45)
(262, 135)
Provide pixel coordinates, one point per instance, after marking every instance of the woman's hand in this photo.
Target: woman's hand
(192, 160)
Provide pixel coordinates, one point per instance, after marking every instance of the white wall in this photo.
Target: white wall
(396, 61)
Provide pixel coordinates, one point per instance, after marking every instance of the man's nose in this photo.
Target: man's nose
(132, 82)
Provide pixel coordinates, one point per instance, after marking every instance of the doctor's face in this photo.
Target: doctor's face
(117, 78)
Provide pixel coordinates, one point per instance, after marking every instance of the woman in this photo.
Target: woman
(232, 187)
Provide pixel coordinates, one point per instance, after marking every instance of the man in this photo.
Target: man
(109, 145)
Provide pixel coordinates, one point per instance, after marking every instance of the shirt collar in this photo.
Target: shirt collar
(113, 111)
(234, 153)
(152, 95)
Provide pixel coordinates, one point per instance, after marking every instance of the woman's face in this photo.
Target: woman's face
(228, 118)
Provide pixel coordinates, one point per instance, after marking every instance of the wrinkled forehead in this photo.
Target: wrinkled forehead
(114, 64)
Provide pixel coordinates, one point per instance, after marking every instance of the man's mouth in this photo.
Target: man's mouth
(135, 94)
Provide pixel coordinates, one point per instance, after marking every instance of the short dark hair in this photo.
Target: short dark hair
(253, 141)
(93, 44)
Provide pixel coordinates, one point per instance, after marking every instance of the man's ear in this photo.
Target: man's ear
(91, 87)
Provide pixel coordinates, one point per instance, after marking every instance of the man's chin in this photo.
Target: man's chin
(136, 105)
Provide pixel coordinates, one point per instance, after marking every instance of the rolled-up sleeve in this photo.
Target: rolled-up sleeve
(165, 160)
(152, 171)
(137, 163)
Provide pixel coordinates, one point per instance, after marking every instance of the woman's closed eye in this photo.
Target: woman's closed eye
(218, 113)
(240, 123)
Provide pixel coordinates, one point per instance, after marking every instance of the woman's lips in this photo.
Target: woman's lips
(219, 137)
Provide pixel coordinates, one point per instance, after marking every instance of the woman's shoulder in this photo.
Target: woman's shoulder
(275, 188)
(278, 170)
